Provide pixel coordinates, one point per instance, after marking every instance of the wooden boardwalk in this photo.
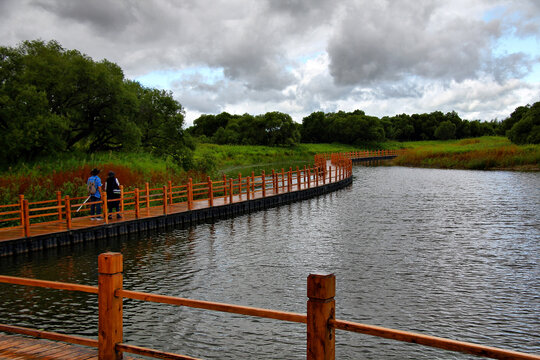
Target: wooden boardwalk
(22, 347)
(155, 211)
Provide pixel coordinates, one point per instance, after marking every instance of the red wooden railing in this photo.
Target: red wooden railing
(160, 200)
(320, 318)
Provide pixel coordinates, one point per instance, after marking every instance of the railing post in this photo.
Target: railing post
(274, 182)
(321, 308)
(289, 180)
(165, 191)
(169, 183)
(231, 190)
(298, 179)
(59, 204)
(282, 179)
(316, 176)
(248, 187)
(105, 206)
(21, 209)
(224, 185)
(190, 194)
(253, 183)
(263, 179)
(240, 186)
(147, 189)
(110, 327)
(26, 215)
(122, 200)
(309, 178)
(210, 192)
(137, 204)
(68, 212)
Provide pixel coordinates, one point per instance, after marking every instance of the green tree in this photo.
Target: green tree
(527, 129)
(445, 131)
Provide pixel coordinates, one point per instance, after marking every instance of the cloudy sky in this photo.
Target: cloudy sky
(480, 58)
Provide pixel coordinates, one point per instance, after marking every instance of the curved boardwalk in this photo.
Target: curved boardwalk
(170, 206)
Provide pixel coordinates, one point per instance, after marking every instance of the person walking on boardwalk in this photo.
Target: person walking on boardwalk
(112, 187)
(92, 185)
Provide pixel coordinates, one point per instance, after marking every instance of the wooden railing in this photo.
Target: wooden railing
(155, 201)
(320, 318)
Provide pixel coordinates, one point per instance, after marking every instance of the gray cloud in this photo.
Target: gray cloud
(379, 54)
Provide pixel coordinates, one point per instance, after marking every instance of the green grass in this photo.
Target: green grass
(485, 153)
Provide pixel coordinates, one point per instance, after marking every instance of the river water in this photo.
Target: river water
(448, 253)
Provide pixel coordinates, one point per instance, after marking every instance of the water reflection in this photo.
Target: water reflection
(443, 252)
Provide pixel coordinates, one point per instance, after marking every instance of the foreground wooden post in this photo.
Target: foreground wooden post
(298, 179)
(321, 308)
(110, 328)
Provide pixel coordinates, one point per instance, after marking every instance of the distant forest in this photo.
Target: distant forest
(54, 100)
(357, 128)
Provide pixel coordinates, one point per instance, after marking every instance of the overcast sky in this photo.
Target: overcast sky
(480, 58)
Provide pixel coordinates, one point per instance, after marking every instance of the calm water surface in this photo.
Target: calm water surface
(443, 252)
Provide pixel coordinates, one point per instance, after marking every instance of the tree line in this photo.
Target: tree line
(357, 128)
(54, 100)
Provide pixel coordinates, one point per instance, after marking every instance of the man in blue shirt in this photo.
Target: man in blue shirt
(92, 185)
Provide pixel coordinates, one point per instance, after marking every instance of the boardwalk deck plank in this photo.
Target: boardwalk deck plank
(22, 347)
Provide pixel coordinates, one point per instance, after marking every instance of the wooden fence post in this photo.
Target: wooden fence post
(21, 209)
(298, 179)
(105, 206)
(26, 215)
(59, 204)
(68, 212)
(190, 194)
(274, 182)
(165, 199)
(122, 200)
(240, 186)
(253, 183)
(231, 190)
(263, 180)
(316, 176)
(321, 308)
(147, 189)
(169, 183)
(137, 204)
(210, 192)
(248, 187)
(110, 327)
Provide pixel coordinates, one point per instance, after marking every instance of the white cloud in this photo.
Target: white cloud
(480, 58)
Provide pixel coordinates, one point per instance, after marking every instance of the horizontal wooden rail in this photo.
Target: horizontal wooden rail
(432, 341)
(319, 319)
(137, 350)
(41, 334)
(48, 284)
(214, 306)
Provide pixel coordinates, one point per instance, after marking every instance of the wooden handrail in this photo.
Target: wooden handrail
(48, 284)
(432, 341)
(41, 334)
(319, 319)
(214, 306)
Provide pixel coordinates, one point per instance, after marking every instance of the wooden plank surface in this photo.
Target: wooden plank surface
(22, 347)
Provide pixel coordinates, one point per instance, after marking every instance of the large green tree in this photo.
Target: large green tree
(54, 100)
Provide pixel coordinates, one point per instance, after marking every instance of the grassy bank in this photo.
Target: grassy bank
(40, 180)
(485, 153)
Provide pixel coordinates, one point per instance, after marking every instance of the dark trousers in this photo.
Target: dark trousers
(95, 209)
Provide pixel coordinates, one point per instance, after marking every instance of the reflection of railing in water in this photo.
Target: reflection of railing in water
(61, 213)
(320, 318)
